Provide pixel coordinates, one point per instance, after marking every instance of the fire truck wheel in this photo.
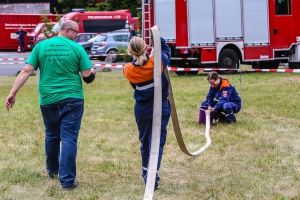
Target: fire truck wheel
(272, 64)
(180, 73)
(228, 59)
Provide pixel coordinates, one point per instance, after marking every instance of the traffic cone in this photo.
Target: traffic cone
(19, 49)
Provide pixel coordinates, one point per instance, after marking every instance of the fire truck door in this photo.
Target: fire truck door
(164, 13)
(201, 23)
(282, 29)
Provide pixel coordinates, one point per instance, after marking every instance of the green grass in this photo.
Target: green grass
(256, 158)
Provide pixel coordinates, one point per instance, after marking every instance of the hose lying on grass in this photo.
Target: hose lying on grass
(157, 113)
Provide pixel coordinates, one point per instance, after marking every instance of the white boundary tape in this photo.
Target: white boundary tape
(174, 69)
(178, 69)
(116, 54)
(13, 58)
(127, 54)
(12, 63)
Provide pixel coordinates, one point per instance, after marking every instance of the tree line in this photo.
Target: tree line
(109, 5)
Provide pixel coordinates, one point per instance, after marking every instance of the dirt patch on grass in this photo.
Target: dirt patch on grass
(291, 79)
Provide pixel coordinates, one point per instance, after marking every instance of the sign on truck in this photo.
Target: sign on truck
(10, 23)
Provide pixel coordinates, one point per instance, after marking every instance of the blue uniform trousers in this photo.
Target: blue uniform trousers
(228, 109)
(144, 114)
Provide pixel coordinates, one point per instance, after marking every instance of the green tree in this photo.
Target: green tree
(49, 24)
(70, 4)
(132, 5)
(99, 7)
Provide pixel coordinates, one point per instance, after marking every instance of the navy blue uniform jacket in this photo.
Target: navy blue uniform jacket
(224, 92)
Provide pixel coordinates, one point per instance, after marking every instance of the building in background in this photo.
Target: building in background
(53, 3)
(25, 8)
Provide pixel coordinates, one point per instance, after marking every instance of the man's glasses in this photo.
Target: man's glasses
(74, 30)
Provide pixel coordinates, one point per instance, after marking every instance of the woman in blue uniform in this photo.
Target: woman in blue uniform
(222, 98)
(140, 75)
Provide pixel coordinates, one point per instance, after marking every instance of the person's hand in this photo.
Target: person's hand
(211, 109)
(152, 53)
(10, 101)
(150, 41)
(94, 70)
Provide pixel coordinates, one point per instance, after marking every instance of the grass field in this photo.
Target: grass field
(256, 158)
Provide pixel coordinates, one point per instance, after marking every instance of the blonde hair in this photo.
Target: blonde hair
(136, 48)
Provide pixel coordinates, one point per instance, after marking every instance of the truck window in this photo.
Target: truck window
(283, 7)
(100, 38)
(103, 26)
(37, 28)
(121, 38)
(56, 27)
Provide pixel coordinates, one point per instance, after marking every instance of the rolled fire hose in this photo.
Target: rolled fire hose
(157, 112)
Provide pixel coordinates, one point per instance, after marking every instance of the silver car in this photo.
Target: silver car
(87, 45)
(109, 43)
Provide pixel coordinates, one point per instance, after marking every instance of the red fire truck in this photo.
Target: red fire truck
(32, 36)
(10, 23)
(98, 21)
(225, 33)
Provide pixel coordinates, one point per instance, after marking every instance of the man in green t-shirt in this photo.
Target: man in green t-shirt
(62, 63)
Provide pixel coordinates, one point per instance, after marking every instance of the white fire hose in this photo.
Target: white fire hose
(177, 127)
(157, 113)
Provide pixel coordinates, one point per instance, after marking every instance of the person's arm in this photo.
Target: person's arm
(165, 52)
(19, 82)
(88, 76)
(225, 94)
(210, 97)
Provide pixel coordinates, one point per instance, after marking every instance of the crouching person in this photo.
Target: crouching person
(222, 98)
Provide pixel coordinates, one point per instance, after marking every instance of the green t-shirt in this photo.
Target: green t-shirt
(60, 60)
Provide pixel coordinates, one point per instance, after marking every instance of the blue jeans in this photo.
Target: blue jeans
(62, 122)
(144, 115)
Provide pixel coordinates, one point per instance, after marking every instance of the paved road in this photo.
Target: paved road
(11, 67)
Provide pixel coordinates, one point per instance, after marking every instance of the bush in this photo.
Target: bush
(127, 58)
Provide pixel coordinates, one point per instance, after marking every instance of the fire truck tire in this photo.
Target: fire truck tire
(228, 59)
(272, 64)
(294, 65)
(180, 73)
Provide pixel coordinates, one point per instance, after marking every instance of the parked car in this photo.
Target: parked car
(83, 37)
(87, 45)
(109, 43)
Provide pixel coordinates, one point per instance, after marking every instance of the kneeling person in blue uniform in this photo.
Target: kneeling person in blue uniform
(222, 98)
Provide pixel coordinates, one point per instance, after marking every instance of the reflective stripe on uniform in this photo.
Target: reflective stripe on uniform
(151, 85)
